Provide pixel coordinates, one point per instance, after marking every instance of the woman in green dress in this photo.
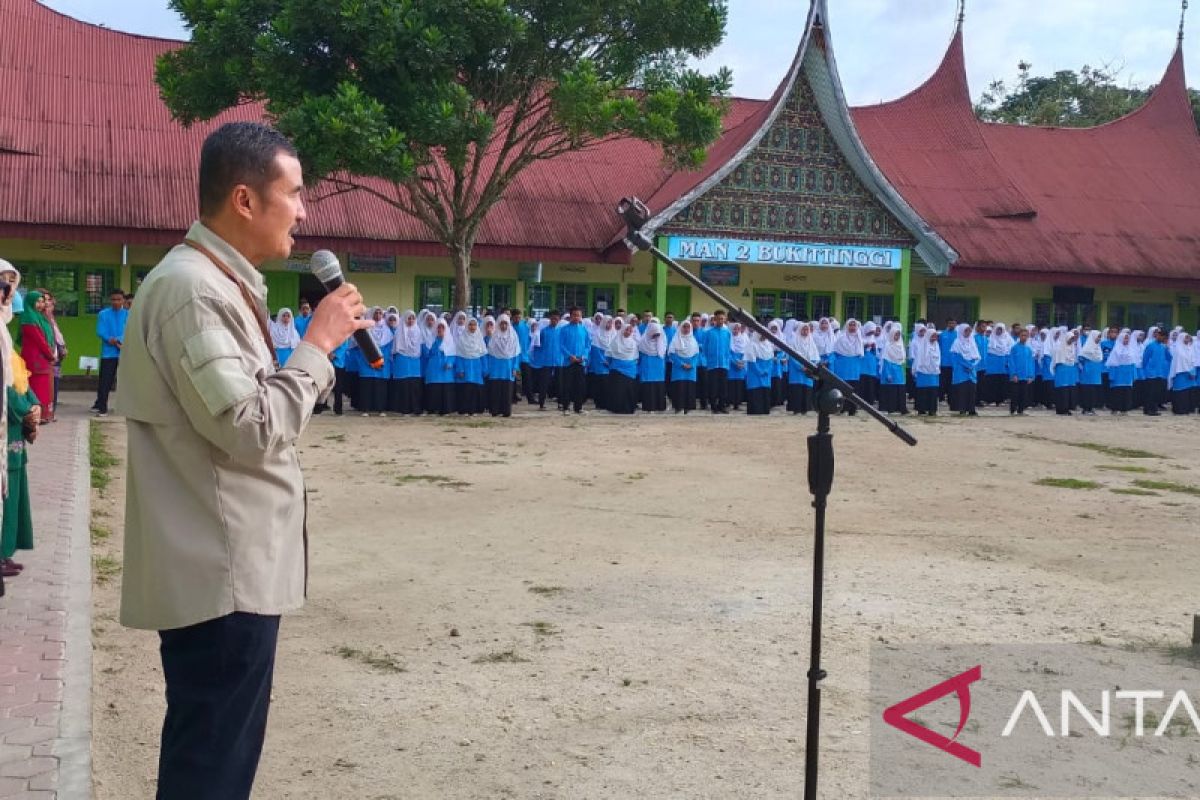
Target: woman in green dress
(22, 411)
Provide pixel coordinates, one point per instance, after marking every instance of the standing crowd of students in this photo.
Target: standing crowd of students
(457, 364)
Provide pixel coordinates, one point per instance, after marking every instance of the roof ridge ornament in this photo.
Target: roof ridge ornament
(962, 12)
(1182, 19)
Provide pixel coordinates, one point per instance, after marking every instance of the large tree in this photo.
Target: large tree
(1068, 99)
(447, 101)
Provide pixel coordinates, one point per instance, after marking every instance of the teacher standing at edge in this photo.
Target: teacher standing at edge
(216, 547)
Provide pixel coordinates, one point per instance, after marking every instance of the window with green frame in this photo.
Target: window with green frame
(784, 304)
(1139, 316)
(433, 294)
(78, 291)
(945, 307)
(865, 307)
(821, 305)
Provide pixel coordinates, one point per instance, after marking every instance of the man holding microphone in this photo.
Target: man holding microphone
(216, 545)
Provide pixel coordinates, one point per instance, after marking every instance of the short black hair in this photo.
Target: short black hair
(115, 292)
(573, 309)
(553, 313)
(238, 153)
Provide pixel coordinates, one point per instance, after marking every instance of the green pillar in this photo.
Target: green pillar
(903, 284)
(660, 280)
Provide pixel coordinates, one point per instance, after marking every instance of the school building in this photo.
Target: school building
(906, 209)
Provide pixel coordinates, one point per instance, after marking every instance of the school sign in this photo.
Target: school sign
(694, 248)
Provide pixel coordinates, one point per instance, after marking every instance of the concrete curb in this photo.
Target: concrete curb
(74, 743)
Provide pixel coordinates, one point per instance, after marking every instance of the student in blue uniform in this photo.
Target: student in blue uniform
(779, 368)
(1091, 371)
(670, 329)
(404, 384)
(800, 385)
(927, 370)
(526, 385)
(846, 360)
(868, 379)
(502, 366)
(684, 355)
(949, 335)
(1156, 366)
(700, 331)
(1066, 373)
(892, 379)
(469, 350)
(373, 382)
(304, 317)
(621, 393)
(993, 381)
(735, 384)
(338, 359)
(574, 345)
(549, 358)
(438, 356)
(1021, 373)
(1183, 375)
(716, 346)
(1122, 365)
(1106, 344)
(760, 362)
(964, 357)
(983, 330)
(600, 333)
(284, 335)
(652, 371)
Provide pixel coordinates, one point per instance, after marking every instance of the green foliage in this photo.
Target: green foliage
(1068, 99)
(451, 99)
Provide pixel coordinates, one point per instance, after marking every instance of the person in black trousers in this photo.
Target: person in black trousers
(575, 345)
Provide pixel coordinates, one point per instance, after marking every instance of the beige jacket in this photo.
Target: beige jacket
(214, 509)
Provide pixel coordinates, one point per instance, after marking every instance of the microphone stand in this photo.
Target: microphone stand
(831, 393)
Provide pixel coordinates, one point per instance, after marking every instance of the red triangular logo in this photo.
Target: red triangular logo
(897, 715)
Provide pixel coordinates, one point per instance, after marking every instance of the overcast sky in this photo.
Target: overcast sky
(884, 48)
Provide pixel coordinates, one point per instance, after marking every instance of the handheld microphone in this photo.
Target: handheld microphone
(328, 271)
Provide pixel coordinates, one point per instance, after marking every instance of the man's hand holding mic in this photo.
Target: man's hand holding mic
(336, 318)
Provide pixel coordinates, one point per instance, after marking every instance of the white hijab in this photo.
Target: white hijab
(504, 342)
(653, 341)
(448, 345)
(684, 344)
(893, 350)
(1000, 342)
(965, 345)
(927, 354)
(1123, 355)
(284, 334)
(624, 346)
(759, 349)
(470, 344)
(408, 337)
(1184, 359)
(824, 337)
(806, 343)
(1092, 350)
(428, 332)
(849, 344)
(1064, 352)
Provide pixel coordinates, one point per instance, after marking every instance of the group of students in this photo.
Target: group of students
(455, 363)
(1059, 368)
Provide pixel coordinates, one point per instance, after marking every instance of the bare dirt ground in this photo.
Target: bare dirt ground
(599, 607)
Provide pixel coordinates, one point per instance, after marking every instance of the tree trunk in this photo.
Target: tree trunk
(461, 256)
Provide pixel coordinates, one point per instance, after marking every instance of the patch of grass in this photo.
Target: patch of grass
(100, 533)
(101, 458)
(436, 480)
(1013, 782)
(1182, 652)
(105, 568)
(1168, 486)
(1125, 468)
(504, 657)
(336, 437)
(1108, 450)
(635, 476)
(543, 628)
(383, 662)
(1067, 483)
(474, 423)
(1136, 492)
(547, 590)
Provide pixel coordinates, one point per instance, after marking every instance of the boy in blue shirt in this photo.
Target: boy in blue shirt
(574, 346)
(110, 328)
(1021, 372)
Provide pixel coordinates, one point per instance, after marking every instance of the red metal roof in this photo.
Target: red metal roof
(1118, 200)
(87, 148)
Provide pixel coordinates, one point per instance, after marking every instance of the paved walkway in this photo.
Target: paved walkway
(45, 629)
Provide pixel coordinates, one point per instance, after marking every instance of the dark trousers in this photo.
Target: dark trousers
(1065, 399)
(218, 676)
(541, 385)
(500, 397)
(339, 388)
(1020, 395)
(526, 382)
(1154, 394)
(683, 396)
(108, 379)
(572, 386)
(716, 383)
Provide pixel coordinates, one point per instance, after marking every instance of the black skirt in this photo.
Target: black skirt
(621, 394)
(404, 396)
(758, 401)
(653, 395)
(1120, 398)
(1064, 399)
(1089, 396)
(372, 395)
(800, 398)
(891, 398)
(595, 387)
(500, 397)
(962, 397)
(1182, 401)
(778, 391)
(927, 399)
(439, 398)
(737, 392)
(868, 389)
(469, 397)
(683, 396)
